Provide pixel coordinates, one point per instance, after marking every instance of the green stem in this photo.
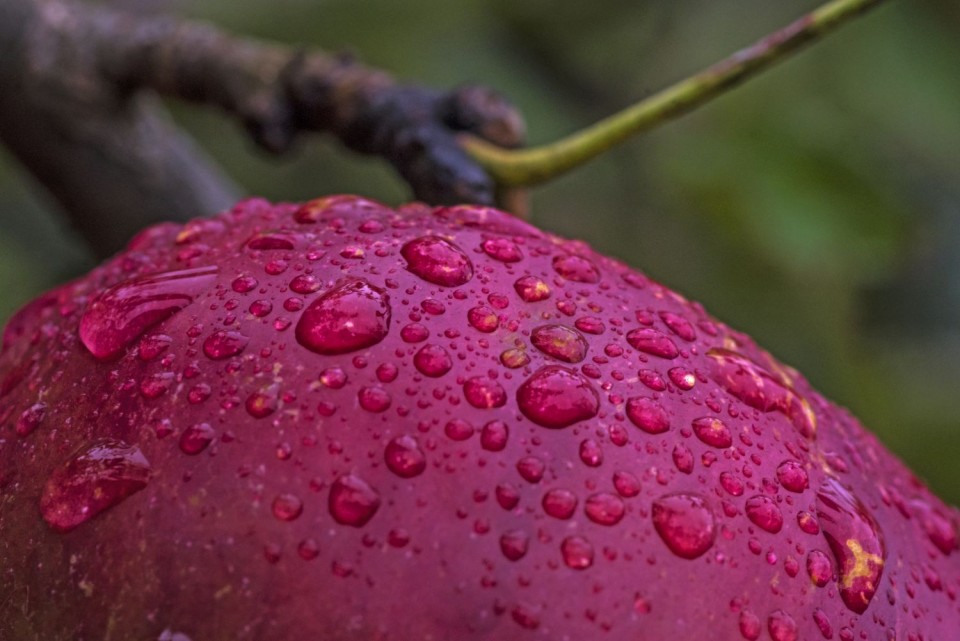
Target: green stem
(525, 167)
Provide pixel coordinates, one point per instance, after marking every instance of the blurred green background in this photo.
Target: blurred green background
(816, 208)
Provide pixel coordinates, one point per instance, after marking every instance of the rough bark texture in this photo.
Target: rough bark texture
(74, 112)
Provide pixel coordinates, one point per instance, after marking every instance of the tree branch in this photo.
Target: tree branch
(76, 116)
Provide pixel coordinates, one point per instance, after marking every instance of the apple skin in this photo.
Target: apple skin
(339, 421)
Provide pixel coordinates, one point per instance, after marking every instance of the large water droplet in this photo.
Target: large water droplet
(855, 541)
(404, 457)
(438, 261)
(650, 341)
(758, 388)
(713, 432)
(94, 479)
(577, 552)
(685, 524)
(352, 501)
(555, 396)
(432, 360)
(122, 313)
(560, 342)
(764, 513)
(351, 316)
(648, 415)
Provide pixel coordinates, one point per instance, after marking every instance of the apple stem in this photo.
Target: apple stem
(526, 167)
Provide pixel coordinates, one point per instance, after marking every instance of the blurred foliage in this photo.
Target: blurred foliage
(816, 208)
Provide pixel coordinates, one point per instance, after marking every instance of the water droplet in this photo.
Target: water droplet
(590, 453)
(556, 397)
(263, 403)
(122, 313)
(531, 469)
(152, 346)
(484, 393)
(514, 358)
(502, 249)
(271, 240)
(244, 284)
(652, 342)
(438, 261)
(855, 541)
(30, 419)
(758, 388)
(404, 457)
(652, 379)
(576, 268)
(305, 284)
(507, 496)
(823, 623)
(352, 501)
(514, 544)
(308, 549)
(261, 308)
(559, 503)
(351, 316)
(525, 616)
(750, 626)
(531, 289)
(223, 344)
(432, 360)
(196, 438)
(333, 378)
(414, 333)
(626, 484)
(374, 399)
(577, 552)
(682, 377)
(683, 458)
(819, 568)
(560, 342)
(808, 523)
(94, 479)
(679, 325)
(713, 432)
(648, 415)
(458, 430)
(731, 483)
(604, 508)
(287, 507)
(940, 530)
(781, 626)
(590, 325)
(792, 476)
(685, 524)
(493, 437)
(387, 372)
(764, 513)
(483, 319)
(329, 207)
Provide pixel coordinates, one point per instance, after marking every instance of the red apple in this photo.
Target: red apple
(341, 421)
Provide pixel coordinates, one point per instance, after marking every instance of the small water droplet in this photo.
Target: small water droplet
(94, 479)
(502, 249)
(374, 399)
(683, 458)
(576, 268)
(531, 289)
(458, 430)
(679, 325)
(590, 325)
(123, 312)
(819, 567)
(685, 524)
(764, 513)
(604, 508)
(507, 496)
(650, 341)
(626, 484)
(223, 344)
(152, 346)
(330, 207)
(196, 438)
(531, 468)
(560, 342)
(484, 393)
(590, 453)
(244, 284)
(404, 457)
(287, 507)
(438, 261)
(939, 529)
(30, 419)
(781, 626)
(648, 415)
(514, 358)
(556, 397)
(351, 316)
(855, 541)
(514, 544)
(750, 625)
(682, 377)
(792, 476)
(305, 284)
(652, 379)
(731, 483)
(352, 501)
(559, 503)
(308, 549)
(333, 378)
(758, 388)
(577, 552)
(823, 623)
(432, 360)
(271, 240)
(494, 435)
(713, 432)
